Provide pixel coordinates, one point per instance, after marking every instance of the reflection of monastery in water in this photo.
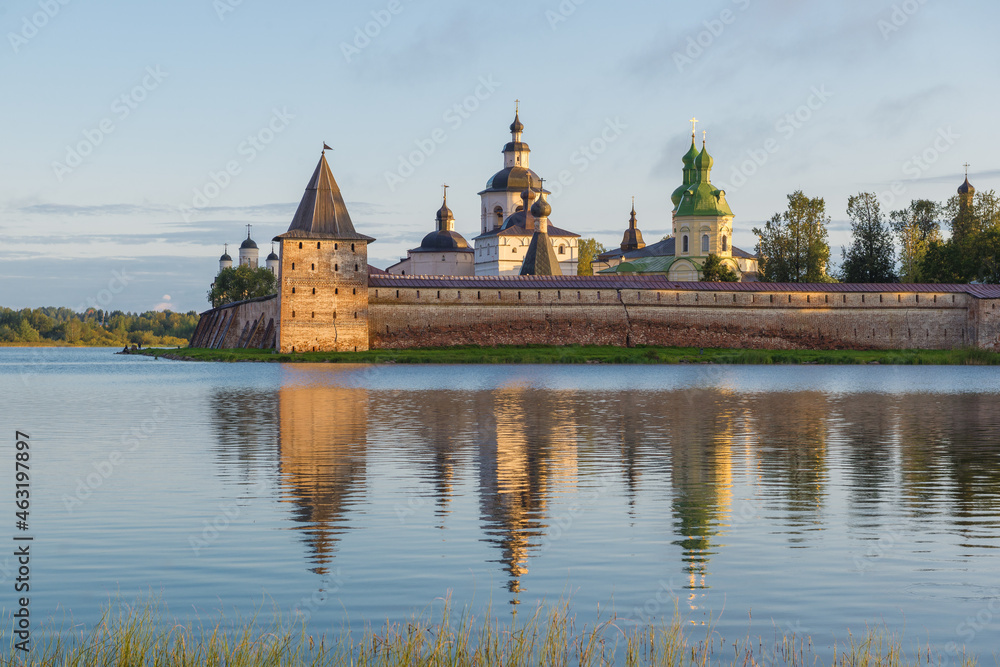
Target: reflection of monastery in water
(527, 452)
(512, 453)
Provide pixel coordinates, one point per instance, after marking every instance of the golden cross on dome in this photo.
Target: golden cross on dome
(517, 107)
(694, 126)
(446, 186)
(966, 165)
(704, 136)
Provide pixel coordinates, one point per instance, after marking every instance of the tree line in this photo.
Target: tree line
(906, 245)
(96, 327)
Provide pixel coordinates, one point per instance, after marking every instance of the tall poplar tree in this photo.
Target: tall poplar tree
(793, 246)
(871, 257)
(916, 227)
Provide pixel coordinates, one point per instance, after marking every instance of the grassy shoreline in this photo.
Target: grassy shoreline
(136, 636)
(576, 354)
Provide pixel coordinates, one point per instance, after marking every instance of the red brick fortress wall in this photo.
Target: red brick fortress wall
(425, 312)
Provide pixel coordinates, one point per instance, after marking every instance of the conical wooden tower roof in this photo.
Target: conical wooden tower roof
(322, 213)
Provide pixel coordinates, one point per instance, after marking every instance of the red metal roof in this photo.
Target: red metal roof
(661, 283)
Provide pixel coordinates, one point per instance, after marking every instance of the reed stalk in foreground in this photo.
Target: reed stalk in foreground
(128, 637)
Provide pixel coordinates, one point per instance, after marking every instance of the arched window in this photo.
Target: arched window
(684, 243)
(725, 243)
(704, 243)
(562, 250)
(498, 212)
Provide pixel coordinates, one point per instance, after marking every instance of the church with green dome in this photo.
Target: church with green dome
(702, 225)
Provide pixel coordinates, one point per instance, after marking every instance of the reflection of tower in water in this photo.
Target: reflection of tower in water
(702, 477)
(527, 451)
(322, 440)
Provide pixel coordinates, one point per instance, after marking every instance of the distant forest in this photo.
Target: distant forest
(96, 328)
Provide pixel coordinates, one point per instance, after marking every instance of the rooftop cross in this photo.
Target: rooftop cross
(517, 107)
(966, 165)
(446, 186)
(694, 126)
(248, 230)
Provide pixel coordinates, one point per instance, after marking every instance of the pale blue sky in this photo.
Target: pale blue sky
(886, 81)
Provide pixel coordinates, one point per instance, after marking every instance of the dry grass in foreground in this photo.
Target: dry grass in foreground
(129, 637)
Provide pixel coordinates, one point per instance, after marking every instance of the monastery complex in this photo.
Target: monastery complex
(518, 284)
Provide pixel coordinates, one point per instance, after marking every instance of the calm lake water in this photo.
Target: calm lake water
(810, 500)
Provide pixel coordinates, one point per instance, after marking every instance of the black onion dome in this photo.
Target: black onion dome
(541, 209)
(249, 243)
(444, 240)
(517, 125)
(514, 179)
(225, 258)
(966, 188)
(272, 257)
(444, 213)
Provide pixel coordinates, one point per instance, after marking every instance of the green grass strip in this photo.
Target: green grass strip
(594, 354)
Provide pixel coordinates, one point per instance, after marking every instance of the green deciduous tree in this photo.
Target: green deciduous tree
(587, 252)
(981, 217)
(715, 271)
(871, 257)
(793, 246)
(62, 325)
(241, 283)
(916, 227)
